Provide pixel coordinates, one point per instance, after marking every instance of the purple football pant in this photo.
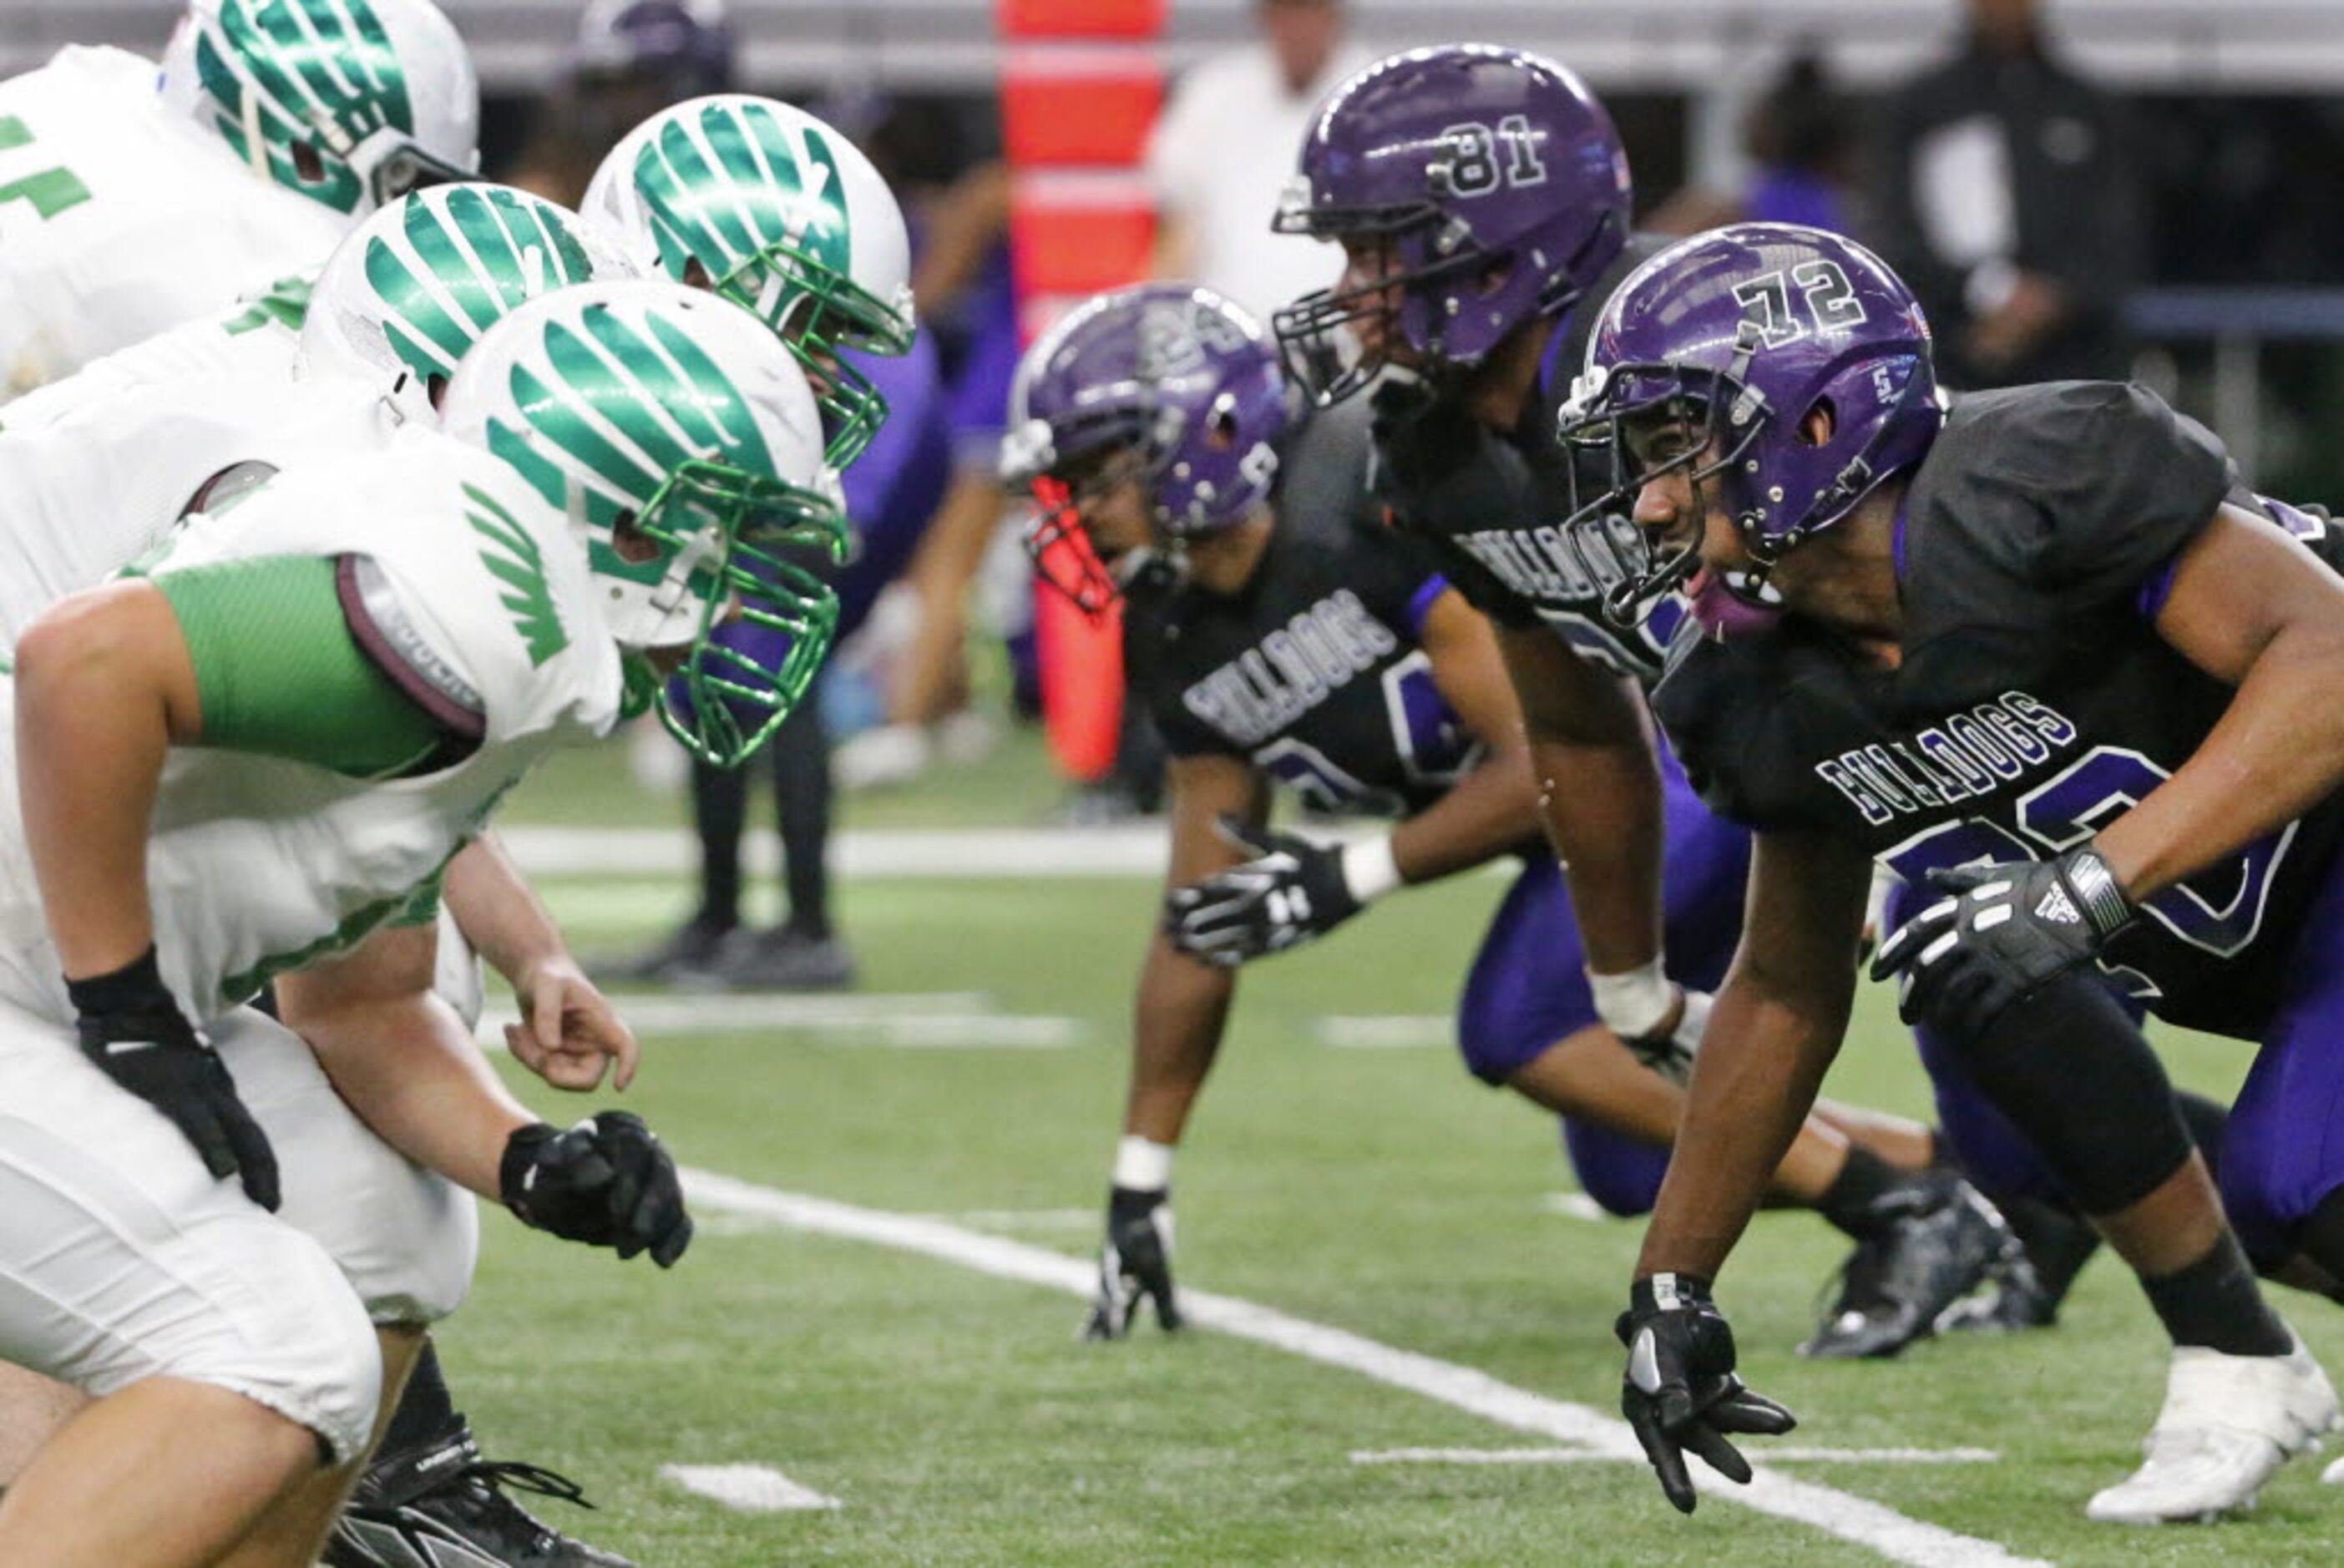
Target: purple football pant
(1528, 988)
(2283, 1148)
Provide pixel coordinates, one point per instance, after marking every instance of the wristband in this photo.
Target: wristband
(1143, 1165)
(2098, 891)
(1369, 870)
(1634, 1003)
(1669, 1292)
(137, 983)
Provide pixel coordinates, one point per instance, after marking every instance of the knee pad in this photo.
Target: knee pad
(2078, 1078)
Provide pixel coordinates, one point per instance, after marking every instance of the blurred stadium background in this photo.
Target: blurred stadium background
(1343, 1168)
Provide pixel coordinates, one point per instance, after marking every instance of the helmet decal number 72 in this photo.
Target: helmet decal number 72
(1830, 299)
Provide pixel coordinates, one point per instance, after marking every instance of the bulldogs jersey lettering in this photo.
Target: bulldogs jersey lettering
(1291, 669)
(2034, 701)
(1312, 672)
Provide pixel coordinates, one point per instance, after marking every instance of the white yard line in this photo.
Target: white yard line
(1576, 1205)
(941, 1020)
(1853, 1519)
(750, 1488)
(1773, 1454)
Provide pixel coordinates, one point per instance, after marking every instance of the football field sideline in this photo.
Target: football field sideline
(1856, 1520)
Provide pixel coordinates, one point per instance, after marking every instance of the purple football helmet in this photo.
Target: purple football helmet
(684, 44)
(1167, 382)
(1494, 176)
(1743, 334)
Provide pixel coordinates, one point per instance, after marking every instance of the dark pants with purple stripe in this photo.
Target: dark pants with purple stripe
(1528, 988)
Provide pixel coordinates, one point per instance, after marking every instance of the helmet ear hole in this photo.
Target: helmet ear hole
(630, 542)
(1818, 423)
(1221, 430)
(309, 163)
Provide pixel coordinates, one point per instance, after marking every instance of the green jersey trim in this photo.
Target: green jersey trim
(279, 673)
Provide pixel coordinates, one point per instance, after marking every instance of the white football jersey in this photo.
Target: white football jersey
(118, 219)
(107, 483)
(474, 594)
(259, 335)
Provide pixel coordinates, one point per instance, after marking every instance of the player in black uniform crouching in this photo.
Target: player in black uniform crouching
(2036, 652)
(1281, 636)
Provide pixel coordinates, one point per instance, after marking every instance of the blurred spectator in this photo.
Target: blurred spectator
(892, 491)
(1225, 149)
(962, 276)
(2007, 197)
(632, 59)
(1800, 140)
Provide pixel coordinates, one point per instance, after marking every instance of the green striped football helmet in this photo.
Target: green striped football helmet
(352, 103)
(685, 445)
(782, 215)
(412, 288)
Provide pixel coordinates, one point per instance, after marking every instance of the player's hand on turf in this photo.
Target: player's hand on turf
(607, 1182)
(131, 1027)
(2005, 931)
(1290, 891)
(1135, 1263)
(569, 1033)
(1680, 1393)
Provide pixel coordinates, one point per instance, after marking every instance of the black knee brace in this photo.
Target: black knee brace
(2078, 1077)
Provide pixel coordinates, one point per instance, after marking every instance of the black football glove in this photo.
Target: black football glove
(1680, 1393)
(2006, 930)
(132, 1029)
(1136, 1260)
(607, 1182)
(1293, 890)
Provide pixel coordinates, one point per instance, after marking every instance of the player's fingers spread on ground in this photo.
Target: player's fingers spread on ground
(1661, 1452)
(1702, 1438)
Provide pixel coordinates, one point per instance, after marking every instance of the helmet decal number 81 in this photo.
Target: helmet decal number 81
(1473, 168)
(1830, 299)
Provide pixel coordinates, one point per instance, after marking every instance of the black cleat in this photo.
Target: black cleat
(440, 1505)
(1935, 1241)
(686, 955)
(2026, 1293)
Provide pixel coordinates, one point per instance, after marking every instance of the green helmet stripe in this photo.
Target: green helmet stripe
(681, 389)
(720, 231)
(482, 250)
(321, 56)
(563, 415)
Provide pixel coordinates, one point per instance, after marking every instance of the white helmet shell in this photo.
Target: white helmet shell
(352, 103)
(408, 293)
(597, 394)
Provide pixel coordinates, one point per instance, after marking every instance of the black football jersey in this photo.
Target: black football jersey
(1313, 671)
(1493, 511)
(2035, 701)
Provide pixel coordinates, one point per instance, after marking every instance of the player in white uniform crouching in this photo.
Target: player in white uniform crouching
(125, 210)
(310, 702)
(109, 462)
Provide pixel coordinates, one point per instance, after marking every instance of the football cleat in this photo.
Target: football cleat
(1936, 1239)
(2228, 1423)
(784, 959)
(2026, 1291)
(686, 955)
(440, 1505)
